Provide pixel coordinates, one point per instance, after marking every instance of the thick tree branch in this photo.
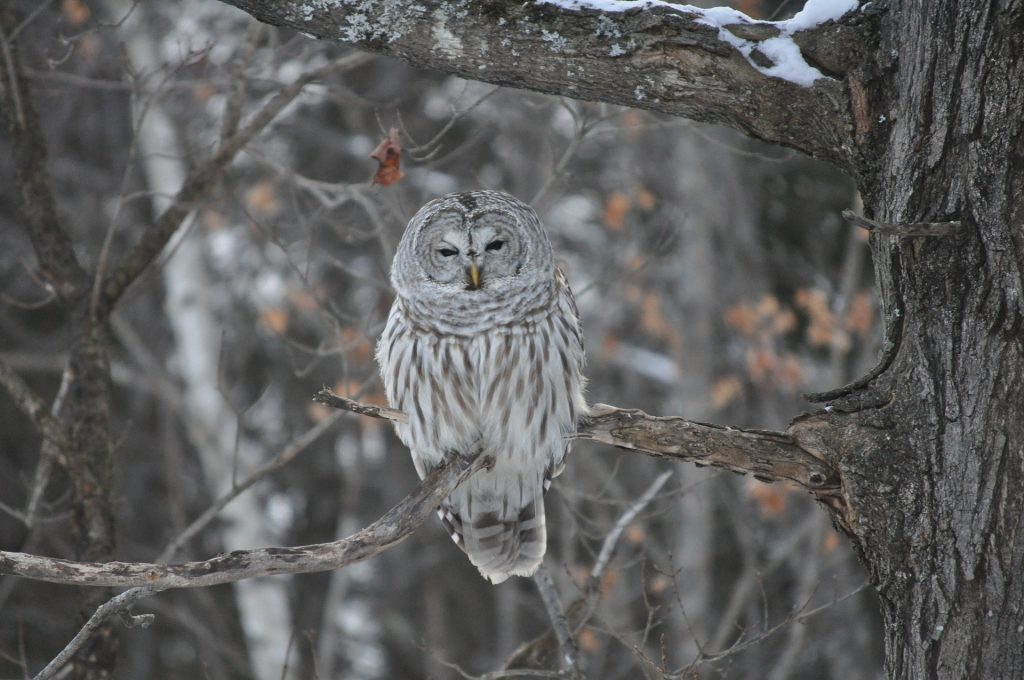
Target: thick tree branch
(679, 60)
(58, 263)
(768, 456)
(394, 527)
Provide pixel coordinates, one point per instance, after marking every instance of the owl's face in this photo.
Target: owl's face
(470, 261)
(471, 252)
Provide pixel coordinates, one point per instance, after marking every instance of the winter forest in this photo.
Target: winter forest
(198, 212)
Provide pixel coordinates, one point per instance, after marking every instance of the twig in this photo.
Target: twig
(199, 182)
(612, 540)
(33, 406)
(118, 605)
(286, 456)
(903, 228)
(395, 526)
(570, 657)
(327, 397)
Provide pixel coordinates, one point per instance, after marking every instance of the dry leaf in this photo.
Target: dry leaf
(588, 640)
(318, 413)
(725, 391)
(608, 582)
(635, 534)
(645, 199)
(302, 300)
(743, 318)
(861, 316)
(261, 199)
(615, 208)
(75, 11)
(388, 154)
(770, 498)
(784, 321)
(274, 319)
(356, 345)
(204, 92)
(761, 363)
(658, 583)
(609, 344)
(789, 372)
(212, 219)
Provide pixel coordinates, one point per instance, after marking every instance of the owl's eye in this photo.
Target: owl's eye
(495, 246)
(447, 252)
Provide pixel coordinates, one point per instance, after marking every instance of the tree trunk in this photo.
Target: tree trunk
(932, 451)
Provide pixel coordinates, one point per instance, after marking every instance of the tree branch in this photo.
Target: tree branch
(117, 605)
(768, 456)
(57, 260)
(708, 66)
(198, 183)
(33, 406)
(902, 228)
(394, 527)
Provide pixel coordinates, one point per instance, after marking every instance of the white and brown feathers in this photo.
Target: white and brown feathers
(483, 350)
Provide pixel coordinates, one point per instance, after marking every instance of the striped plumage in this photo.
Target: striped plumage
(483, 350)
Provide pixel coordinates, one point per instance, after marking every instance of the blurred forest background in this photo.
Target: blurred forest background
(715, 279)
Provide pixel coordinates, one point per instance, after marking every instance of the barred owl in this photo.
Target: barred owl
(483, 351)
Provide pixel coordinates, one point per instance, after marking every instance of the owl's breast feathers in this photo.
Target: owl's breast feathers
(513, 390)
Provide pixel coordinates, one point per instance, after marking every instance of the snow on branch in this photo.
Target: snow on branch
(782, 82)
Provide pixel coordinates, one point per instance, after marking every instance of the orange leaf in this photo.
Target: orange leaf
(861, 316)
(645, 199)
(725, 391)
(212, 219)
(275, 319)
(388, 154)
(743, 318)
(608, 582)
(75, 11)
(770, 498)
(588, 640)
(262, 199)
(658, 583)
(615, 208)
(635, 534)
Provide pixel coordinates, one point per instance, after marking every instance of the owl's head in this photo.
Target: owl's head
(480, 244)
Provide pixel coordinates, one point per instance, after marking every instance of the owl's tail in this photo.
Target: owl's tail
(502, 533)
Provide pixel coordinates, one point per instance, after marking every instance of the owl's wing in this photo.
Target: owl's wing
(567, 303)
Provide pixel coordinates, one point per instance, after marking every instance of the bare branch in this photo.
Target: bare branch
(903, 228)
(57, 260)
(327, 397)
(394, 527)
(570, 653)
(279, 461)
(768, 456)
(118, 605)
(33, 406)
(612, 539)
(199, 182)
(671, 59)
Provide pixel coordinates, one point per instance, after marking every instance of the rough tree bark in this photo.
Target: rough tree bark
(922, 105)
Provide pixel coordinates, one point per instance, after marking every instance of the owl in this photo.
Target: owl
(483, 351)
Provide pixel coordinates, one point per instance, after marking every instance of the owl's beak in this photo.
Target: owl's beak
(474, 276)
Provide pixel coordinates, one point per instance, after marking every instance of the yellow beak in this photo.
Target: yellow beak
(474, 276)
